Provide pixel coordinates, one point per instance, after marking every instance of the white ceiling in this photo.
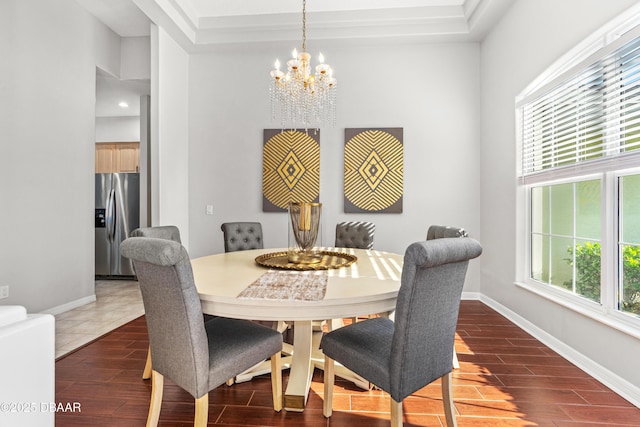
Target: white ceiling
(264, 7)
(122, 16)
(207, 24)
(201, 25)
(110, 91)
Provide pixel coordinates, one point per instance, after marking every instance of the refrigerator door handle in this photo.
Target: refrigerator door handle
(110, 218)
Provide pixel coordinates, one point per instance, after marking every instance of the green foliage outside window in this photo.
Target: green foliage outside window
(587, 270)
(631, 283)
(587, 260)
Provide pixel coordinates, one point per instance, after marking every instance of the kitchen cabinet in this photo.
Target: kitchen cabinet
(117, 157)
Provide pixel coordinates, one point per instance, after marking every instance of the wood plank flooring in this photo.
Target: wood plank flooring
(506, 378)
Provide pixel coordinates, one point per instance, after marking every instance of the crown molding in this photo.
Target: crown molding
(467, 20)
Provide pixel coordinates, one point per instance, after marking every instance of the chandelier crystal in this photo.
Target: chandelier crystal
(300, 97)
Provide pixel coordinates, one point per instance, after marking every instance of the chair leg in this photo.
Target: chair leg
(396, 413)
(276, 381)
(157, 383)
(281, 326)
(329, 380)
(202, 411)
(146, 373)
(456, 364)
(447, 399)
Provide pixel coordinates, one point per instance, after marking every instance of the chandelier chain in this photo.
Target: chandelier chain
(304, 25)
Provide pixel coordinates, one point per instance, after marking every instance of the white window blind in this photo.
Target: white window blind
(590, 113)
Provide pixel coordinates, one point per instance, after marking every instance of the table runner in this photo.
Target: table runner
(288, 285)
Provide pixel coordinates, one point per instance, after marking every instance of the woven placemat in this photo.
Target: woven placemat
(288, 286)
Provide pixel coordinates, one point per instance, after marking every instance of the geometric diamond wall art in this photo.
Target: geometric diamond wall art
(373, 170)
(290, 168)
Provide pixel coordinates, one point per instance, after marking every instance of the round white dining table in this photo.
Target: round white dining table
(369, 285)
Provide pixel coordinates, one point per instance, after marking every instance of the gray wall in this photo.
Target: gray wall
(529, 39)
(430, 90)
(47, 97)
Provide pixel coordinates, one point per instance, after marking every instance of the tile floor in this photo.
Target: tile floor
(506, 378)
(117, 302)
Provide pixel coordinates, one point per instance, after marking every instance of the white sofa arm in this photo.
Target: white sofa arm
(27, 368)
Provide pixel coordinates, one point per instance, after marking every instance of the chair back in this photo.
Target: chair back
(167, 232)
(427, 312)
(355, 234)
(440, 231)
(177, 336)
(242, 236)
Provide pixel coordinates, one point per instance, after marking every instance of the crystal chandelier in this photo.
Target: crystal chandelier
(300, 97)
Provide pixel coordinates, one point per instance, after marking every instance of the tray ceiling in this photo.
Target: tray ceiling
(210, 24)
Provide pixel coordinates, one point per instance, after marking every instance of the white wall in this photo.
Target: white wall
(431, 90)
(118, 129)
(169, 144)
(109, 55)
(135, 54)
(531, 37)
(47, 97)
(145, 137)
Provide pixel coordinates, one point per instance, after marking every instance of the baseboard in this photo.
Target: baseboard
(70, 305)
(471, 296)
(616, 383)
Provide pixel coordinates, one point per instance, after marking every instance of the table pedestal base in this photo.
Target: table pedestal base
(308, 356)
(265, 367)
(295, 396)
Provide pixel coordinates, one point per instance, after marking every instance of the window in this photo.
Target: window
(628, 300)
(593, 114)
(579, 172)
(565, 236)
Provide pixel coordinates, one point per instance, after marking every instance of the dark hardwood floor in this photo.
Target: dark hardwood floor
(506, 378)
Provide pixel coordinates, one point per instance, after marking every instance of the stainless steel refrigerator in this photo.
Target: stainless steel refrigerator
(117, 214)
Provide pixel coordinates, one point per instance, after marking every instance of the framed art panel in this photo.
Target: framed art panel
(373, 170)
(290, 168)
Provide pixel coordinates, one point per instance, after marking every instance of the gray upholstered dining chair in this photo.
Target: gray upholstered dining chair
(403, 356)
(167, 232)
(440, 231)
(242, 236)
(355, 234)
(444, 231)
(197, 356)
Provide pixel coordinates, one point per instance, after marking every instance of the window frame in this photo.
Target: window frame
(528, 278)
(607, 169)
(541, 287)
(606, 311)
(617, 263)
